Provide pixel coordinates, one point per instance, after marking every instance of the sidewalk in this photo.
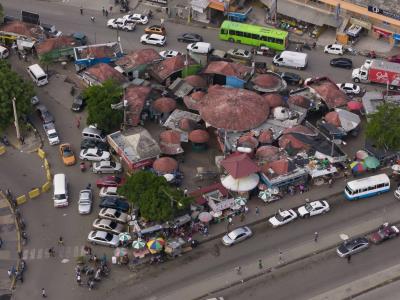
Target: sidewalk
(250, 269)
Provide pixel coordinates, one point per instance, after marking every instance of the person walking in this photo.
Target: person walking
(185, 192)
(238, 270)
(60, 241)
(92, 19)
(260, 265)
(81, 10)
(106, 12)
(257, 211)
(330, 182)
(280, 257)
(316, 236)
(44, 295)
(51, 252)
(9, 273)
(103, 11)
(349, 259)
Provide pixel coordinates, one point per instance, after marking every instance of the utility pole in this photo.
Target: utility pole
(16, 118)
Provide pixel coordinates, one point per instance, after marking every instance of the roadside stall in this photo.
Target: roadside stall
(320, 173)
(220, 206)
(175, 247)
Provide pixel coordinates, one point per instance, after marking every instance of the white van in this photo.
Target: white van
(60, 186)
(4, 53)
(291, 59)
(199, 47)
(38, 75)
(93, 133)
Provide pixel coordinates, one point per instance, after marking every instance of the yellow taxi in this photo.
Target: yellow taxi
(157, 29)
(67, 154)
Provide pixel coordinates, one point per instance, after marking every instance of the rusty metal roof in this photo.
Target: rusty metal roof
(228, 69)
(165, 165)
(199, 136)
(169, 66)
(138, 57)
(136, 97)
(274, 100)
(55, 43)
(239, 165)
(102, 72)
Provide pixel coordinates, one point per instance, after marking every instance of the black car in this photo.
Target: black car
(292, 78)
(342, 62)
(89, 143)
(189, 38)
(78, 103)
(114, 202)
(44, 114)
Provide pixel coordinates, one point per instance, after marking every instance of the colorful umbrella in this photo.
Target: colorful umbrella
(371, 162)
(138, 244)
(155, 245)
(118, 252)
(361, 154)
(240, 201)
(205, 217)
(124, 237)
(357, 167)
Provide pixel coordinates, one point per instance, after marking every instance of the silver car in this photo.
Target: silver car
(85, 201)
(98, 237)
(108, 225)
(107, 167)
(237, 235)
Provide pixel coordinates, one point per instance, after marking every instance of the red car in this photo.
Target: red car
(385, 232)
(394, 58)
(110, 181)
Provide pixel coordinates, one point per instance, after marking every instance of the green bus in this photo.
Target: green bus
(254, 35)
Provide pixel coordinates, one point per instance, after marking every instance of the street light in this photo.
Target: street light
(16, 118)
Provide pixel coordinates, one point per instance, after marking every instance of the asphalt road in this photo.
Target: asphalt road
(46, 224)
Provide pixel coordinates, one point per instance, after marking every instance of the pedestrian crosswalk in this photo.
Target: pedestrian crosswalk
(60, 252)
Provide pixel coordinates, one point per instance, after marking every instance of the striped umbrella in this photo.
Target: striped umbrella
(240, 201)
(155, 245)
(264, 195)
(124, 237)
(138, 244)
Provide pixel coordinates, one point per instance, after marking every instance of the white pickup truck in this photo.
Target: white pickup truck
(51, 133)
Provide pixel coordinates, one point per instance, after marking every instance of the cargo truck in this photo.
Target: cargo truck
(378, 71)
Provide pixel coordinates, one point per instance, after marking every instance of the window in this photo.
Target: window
(381, 185)
(279, 41)
(246, 34)
(239, 33)
(371, 188)
(232, 32)
(264, 38)
(224, 31)
(255, 36)
(387, 184)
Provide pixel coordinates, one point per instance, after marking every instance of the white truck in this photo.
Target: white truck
(291, 59)
(51, 133)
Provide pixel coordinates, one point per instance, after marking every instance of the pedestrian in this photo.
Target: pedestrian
(280, 257)
(78, 123)
(316, 236)
(185, 192)
(238, 270)
(9, 273)
(260, 265)
(161, 22)
(349, 259)
(330, 182)
(51, 252)
(78, 279)
(92, 19)
(60, 241)
(230, 220)
(81, 10)
(44, 295)
(216, 250)
(104, 11)
(257, 211)
(246, 209)
(110, 9)
(241, 217)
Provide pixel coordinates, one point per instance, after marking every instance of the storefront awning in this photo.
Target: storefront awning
(217, 6)
(383, 32)
(306, 14)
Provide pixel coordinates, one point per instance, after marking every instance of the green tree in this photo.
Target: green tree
(384, 127)
(46, 60)
(99, 99)
(155, 198)
(12, 85)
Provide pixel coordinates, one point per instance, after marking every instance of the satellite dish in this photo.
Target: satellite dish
(343, 236)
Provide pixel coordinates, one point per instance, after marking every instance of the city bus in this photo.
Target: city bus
(367, 187)
(254, 35)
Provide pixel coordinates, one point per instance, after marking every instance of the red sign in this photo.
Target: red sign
(382, 32)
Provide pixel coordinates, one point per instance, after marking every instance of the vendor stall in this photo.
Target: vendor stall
(174, 247)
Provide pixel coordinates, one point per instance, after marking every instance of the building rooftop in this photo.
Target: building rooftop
(138, 57)
(55, 43)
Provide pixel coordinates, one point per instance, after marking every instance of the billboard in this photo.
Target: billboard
(30, 17)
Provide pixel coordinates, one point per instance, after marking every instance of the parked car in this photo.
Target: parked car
(282, 217)
(342, 62)
(189, 37)
(109, 191)
(94, 154)
(153, 39)
(67, 155)
(265, 51)
(98, 237)
(113, 214)
(394, 58)
(157, 29)
(108, 225)
(313, 208)
(237, 53)
(352, 246)
(85, 201)
(384, 232)
(91, 143)
(138, 18)
(107, 166)
(334, 49)
(44, 114)
(292, 78)
(35, 100)
(114, 202)
(78, 104)
(110, 181)
(349, 88)
(121, 24)
(169, 53)
(237, 235)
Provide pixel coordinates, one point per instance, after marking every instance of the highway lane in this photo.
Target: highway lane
(321, 273)
(387, 292)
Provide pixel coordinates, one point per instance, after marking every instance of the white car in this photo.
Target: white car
(85, 201)
(98, 237)
(113, 214)
(334, 49)
(109, 191)
(138, 18)
(108, 225)
(94, 154)
(237, 235)
(313, 208)
(282, 217)
(239, 54)
(397, 193)
(107, 166)
(35, 100)
(153, 39)
(169, 53)
(349, 88)
(121, 24)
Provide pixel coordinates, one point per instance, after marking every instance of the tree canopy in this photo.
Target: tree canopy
(155, 198)
(99, 99)
(12, 85)
(384, 127)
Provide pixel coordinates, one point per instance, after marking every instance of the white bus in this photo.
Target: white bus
(367, 187)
